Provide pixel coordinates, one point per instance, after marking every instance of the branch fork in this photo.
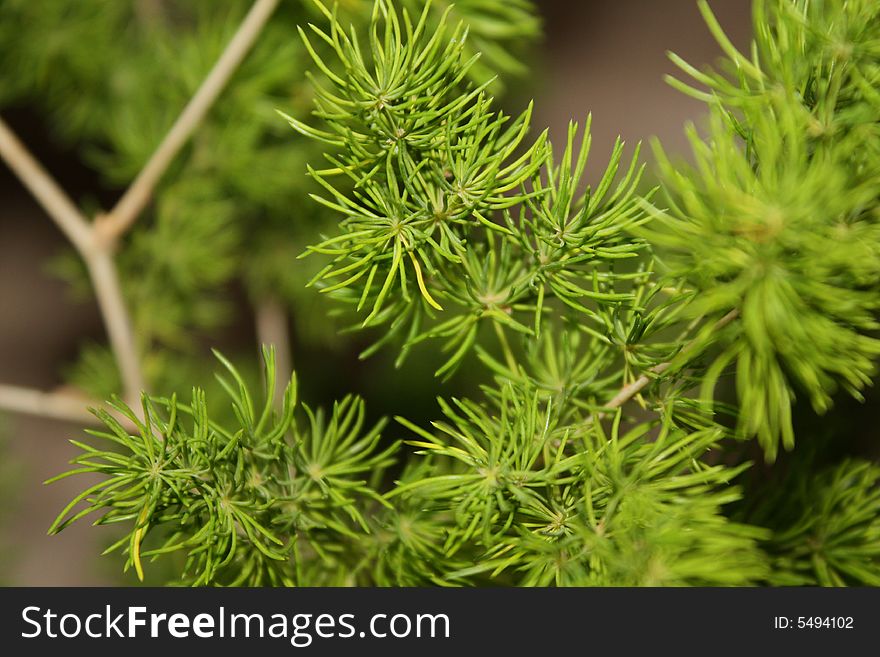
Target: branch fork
(96, 241)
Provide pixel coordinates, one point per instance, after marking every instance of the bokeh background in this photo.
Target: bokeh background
(607, 57)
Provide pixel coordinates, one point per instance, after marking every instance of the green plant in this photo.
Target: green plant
(758, 262)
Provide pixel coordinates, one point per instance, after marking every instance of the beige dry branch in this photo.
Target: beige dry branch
(96, 241)
(126, 211)
(99, 262)
(55, 405)
(272, 329)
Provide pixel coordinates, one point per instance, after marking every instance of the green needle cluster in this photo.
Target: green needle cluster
(629, 344)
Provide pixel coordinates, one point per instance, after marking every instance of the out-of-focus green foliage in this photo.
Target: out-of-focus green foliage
(10, 481)
(827, 526)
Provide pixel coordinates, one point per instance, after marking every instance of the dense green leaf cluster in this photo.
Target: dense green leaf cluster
(828, 526)
(451, 224)
(779, 218)
(112, 77)
(250, 504)
(452, 219)
(512, 495)
(537, 501)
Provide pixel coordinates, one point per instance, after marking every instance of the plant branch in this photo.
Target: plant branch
(44, 188)
(98, 260)
(105, 279)
(630, 390)
(55, 405)
(272, 329)
(64, 406)
(95, 241)
(126, 211)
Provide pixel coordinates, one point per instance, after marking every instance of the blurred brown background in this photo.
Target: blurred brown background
(607, 57)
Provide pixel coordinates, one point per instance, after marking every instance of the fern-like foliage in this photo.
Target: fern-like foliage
(248, 503)
(451, 217)
(538, 501)
(454, 224)
(511, 494)
(780, 216)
